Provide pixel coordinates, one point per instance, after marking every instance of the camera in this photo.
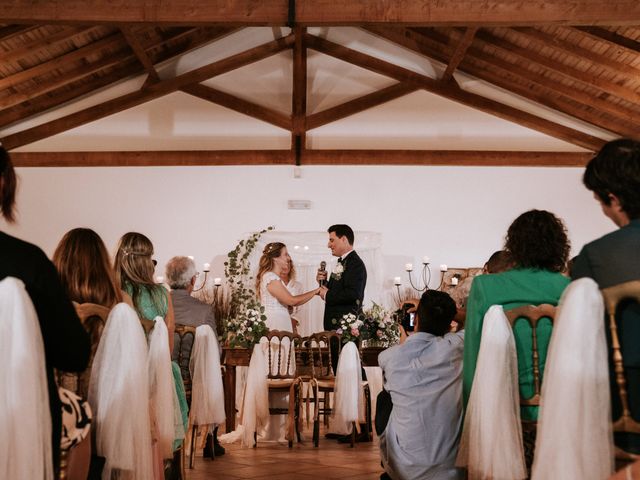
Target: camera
(407, 320)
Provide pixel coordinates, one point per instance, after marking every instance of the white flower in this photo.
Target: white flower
(339, 268)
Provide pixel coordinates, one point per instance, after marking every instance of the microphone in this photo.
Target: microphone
(323, 266)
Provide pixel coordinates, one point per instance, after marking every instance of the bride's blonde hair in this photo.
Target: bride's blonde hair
(271, 251)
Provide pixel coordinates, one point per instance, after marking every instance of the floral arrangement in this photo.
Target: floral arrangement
(374, 327)
(381, 325)
(246, 321)
(351, 328)
(247, 329)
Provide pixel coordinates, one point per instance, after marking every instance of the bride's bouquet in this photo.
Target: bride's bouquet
(246, 328)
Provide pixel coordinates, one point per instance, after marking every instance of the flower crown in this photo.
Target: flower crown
(271, 247)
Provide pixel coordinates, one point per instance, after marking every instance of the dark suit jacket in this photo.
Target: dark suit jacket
(610, 260)
(345, 294)
(66, 343)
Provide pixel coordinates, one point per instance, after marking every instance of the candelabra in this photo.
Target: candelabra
(425, 276)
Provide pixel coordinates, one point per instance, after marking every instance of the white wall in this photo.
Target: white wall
(456, 215)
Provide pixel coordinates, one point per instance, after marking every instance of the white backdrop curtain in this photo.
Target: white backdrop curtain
(307, 250)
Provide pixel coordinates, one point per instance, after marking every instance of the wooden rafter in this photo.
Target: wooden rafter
(35, 46)
(154, 91)
(325, 12)
(139, 52)
(459, 53)
(11, 31)
(601, 60)
(565, 70)
(299, 95)
(435, 46)
(308, 157)
(360, 104)
(453, 92)
(60, 61)
(599, 33)
(239, 105)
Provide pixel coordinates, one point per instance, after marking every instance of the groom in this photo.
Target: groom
(344, 292)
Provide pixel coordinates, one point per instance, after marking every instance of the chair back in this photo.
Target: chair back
(613, 296)
(93, 318)
(184, 339)
(533, 314)
(316, 352)
(280, 359)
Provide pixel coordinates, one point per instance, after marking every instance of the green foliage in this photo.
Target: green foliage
(246, 323)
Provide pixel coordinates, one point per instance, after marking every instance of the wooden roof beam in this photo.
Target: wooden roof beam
(299, 94)
(34, 46)
(614, 38)
(60, 61)
(10, 31)
(35, 96)
(459, 53)
(435, 45)
(154, 91)
(139, 52)
(309, 157)
(454, 93)
(239, 105)
(325, 12)
(568, 71)
(360, 104)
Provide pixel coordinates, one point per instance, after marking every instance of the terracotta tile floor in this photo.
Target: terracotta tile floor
(276, 462)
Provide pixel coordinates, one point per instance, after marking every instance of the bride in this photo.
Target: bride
(276, 300)
(271, 290)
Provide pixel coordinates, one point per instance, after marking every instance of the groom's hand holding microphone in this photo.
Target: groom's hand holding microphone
(321, 277)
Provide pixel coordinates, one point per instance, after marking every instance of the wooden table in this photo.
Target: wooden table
(240, 357)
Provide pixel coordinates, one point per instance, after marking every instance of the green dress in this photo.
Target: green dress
(511, 289)
(151, 303)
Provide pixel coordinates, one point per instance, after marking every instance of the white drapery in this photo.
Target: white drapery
(207, 394)
(348, 392)
(491, 443)
(574, 427)
(25, 419)
(307, 250)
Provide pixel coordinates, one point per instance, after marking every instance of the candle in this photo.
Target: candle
(454, 281)
(443, 267)
(217, 281)
(408, 267)
(397, 281)
(159, 279)
(206, 267)
(425, 260)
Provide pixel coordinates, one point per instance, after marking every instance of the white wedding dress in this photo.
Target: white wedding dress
(278, 318)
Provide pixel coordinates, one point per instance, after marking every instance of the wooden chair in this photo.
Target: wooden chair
(318, 363)
(533, 314)
(613, 296)
(282, 377)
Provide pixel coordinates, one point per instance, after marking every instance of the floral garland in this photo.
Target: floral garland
(246, 323)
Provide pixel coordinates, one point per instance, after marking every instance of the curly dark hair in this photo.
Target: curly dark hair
(436, 311)
(616, 170)
(538, 239)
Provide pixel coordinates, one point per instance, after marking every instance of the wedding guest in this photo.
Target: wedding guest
(538, 245)
(66, 343)
(422, 375)
(613, 176)
(288, 277)
(499, 261)
(181, 276)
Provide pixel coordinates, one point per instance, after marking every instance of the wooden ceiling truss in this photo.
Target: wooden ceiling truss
(579, 58)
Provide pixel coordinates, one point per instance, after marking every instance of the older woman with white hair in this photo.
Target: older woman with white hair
(181, 275)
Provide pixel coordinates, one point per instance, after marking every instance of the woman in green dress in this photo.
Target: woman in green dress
(134, 268)
(538, 244)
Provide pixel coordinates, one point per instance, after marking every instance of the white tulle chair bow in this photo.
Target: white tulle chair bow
(491, 443)
(161, 387)
(349, 395)
(25, 419)
(574, 426)
(207, 393)
(255, 408)
(119, 394)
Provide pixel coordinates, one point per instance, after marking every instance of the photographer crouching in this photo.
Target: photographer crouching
(419, 412)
